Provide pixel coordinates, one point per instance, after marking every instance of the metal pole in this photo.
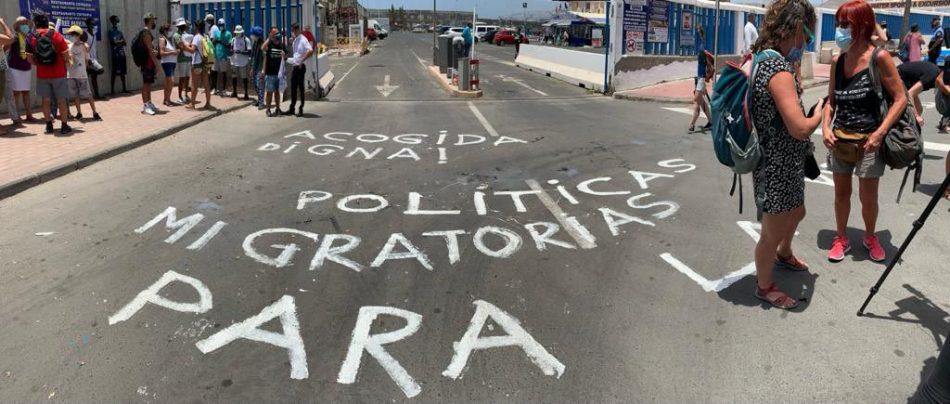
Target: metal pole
(716, 42)
(435, 41)
(475, 28)
(607, 49)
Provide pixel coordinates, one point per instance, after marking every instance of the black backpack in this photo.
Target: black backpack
(139, 50)
(45, 51)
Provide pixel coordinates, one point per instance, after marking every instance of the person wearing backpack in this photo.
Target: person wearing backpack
(854, 129)
(241, 46)
(200, 68)
(704, 74)
(783, 131)
(145, 56)
(50, 54)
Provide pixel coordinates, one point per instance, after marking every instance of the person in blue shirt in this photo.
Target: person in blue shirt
(467, 36)
(703, 70)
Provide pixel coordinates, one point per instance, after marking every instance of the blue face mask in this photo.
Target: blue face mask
(25, 29)
(843, 38)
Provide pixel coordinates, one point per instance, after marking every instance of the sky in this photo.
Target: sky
(486, 8)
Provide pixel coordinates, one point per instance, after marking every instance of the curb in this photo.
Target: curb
(33, 179)
(455, 92)
(682, 100)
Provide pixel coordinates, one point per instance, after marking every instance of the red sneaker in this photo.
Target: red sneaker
(874, 248)
(839, 248)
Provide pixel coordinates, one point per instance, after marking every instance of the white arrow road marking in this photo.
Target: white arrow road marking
(718, 285)
(933, 146)
(521, 83)
(386, 89)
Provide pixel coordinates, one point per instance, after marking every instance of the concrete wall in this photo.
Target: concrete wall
(130, 14)
(576, 67)
(637, 71)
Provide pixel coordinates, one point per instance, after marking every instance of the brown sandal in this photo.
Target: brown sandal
(791, 263)
(784, 301)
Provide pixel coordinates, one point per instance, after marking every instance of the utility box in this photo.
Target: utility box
(465, 74)
(445, 53)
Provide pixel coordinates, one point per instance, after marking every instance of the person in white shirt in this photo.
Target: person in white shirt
(241, 51)
(77, 79)
(302, 50)
(751, 34)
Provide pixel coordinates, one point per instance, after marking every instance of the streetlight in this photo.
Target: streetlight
(435, 52)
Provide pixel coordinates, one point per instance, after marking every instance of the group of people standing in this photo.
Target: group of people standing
(205, 54)
(852, 123)
(200, 54)
(63, 66)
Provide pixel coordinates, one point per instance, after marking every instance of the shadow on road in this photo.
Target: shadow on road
(798, 285)
(924, 312)
(858, 252)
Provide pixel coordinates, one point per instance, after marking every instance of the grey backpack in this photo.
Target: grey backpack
(903, 145)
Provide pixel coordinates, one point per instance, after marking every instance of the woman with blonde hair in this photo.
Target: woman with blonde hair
(784, 130)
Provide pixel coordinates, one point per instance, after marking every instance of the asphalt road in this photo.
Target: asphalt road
(517, 248)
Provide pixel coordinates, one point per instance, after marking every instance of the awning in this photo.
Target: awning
(557, 23)
(593, 18)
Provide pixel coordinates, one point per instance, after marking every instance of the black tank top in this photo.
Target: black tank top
(858, 108)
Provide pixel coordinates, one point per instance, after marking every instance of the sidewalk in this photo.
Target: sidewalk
(29, 157)
(681, 91)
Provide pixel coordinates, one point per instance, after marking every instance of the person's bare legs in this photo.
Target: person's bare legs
(63, 110)
(785, 245)
(78, 109)
(168, 91)
(146, 93)
(27, 105)
(697, 101)
(867, 190)
(194, 88)
(207, 84)
(774, 228)
(46, 110)
(842, 202)
(92, 105)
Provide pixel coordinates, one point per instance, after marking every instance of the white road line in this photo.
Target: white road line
(585, 241)
(933, 146)
(521, 83)
(348, 72)
(497, 60)
(481, 118)
(421, 62)
(717, 285)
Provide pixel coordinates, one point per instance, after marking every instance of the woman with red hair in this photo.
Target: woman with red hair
(853, 129)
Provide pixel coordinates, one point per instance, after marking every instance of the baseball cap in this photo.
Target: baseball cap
(220, 21)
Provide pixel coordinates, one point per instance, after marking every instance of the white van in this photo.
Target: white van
(380, 31)
(481, 30)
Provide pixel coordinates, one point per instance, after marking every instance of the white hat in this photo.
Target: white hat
(220, 21)
(238, 30)
(209, 17)
(179, 22)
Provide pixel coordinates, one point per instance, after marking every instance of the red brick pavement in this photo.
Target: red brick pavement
(26, 152)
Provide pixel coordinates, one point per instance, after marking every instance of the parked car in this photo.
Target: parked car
(507, 37)
(454, 31)
(482, 30)
(489, 36)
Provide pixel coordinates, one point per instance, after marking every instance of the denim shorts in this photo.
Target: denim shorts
(169, 69)
(271, 83)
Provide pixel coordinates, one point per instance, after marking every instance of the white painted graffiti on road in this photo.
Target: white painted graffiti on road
(368, 146)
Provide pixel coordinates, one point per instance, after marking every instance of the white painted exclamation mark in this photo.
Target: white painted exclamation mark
(442, 156)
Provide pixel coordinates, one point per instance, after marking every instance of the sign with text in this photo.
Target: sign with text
(634, 24)
(686, 30)
(67, 12)
(658, 27)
